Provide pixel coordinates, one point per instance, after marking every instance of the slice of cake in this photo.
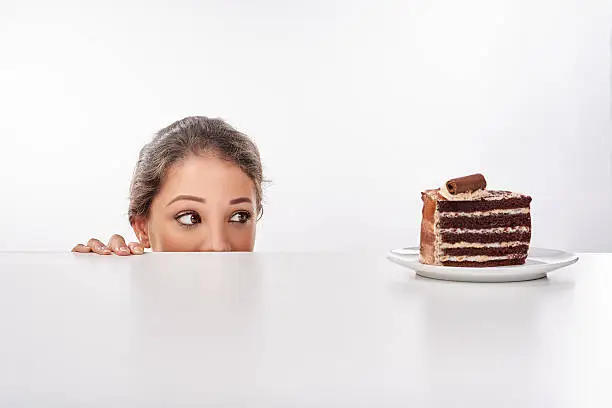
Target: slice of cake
(466, 225)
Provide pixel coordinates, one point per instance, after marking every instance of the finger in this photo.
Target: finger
(117, 245)
(98, 247)
(136, 248)
(81, 248)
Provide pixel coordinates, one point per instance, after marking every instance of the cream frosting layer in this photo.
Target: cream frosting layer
(506, 211)
(499, 230)
(475, 195)
(483, 244)
(479, 258)
(470, 195)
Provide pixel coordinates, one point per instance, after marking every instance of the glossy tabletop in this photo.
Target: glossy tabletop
(297, 330)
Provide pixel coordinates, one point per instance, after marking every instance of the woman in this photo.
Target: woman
(197, 187)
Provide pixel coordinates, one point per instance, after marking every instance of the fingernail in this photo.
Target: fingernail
(138, 250)
(124, 249)
(105, 250)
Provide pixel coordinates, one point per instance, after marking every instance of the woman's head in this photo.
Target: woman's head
(197, 186)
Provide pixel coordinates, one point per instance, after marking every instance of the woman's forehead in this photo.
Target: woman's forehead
(206, 175)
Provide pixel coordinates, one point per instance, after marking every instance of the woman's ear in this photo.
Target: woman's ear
(141, 229)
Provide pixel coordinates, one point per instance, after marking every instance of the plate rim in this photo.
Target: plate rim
(486, 274)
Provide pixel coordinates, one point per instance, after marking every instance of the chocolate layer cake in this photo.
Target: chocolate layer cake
(466, 225)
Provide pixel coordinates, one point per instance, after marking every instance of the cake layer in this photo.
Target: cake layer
(492, 221)
(501, 262)
(488, 251)
(483, 205)
(452, 237)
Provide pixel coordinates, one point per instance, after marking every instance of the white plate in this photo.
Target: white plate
(539, 262)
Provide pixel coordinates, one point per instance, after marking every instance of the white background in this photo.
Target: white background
(356, 106)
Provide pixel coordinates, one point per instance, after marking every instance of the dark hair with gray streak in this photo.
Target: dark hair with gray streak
(191, 135)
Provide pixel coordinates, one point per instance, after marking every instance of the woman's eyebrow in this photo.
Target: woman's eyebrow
(240, 200)
(187, 197)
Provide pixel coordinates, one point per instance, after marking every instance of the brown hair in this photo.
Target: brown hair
(191, 135)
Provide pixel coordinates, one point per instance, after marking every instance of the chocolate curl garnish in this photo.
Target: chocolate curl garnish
(466, 184)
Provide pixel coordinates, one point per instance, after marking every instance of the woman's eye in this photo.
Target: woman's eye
(189, 219)
(241, 217)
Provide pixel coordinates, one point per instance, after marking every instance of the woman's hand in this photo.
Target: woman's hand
(116, 245)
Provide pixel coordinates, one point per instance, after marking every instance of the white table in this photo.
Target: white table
(297, 330)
